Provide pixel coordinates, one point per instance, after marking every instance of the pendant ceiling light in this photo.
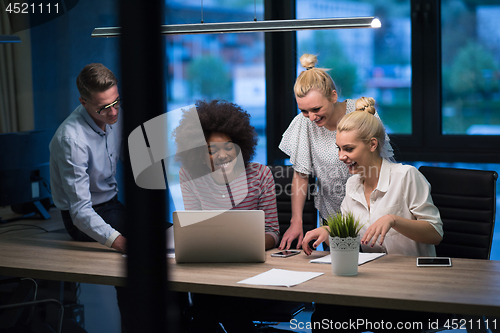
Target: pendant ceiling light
(255, 26)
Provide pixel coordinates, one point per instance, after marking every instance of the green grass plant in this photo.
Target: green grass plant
(343, 225)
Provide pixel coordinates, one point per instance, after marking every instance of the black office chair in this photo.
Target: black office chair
(466, 200)
(18, 308)
(282, 311)
(21, 311)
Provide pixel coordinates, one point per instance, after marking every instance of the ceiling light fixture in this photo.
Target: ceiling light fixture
(255, 26)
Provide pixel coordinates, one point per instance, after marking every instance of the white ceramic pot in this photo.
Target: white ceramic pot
(345, 253)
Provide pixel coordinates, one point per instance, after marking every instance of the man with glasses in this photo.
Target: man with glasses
(83, 156)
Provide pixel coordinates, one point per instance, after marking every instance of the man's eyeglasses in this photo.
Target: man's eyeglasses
(105, 109)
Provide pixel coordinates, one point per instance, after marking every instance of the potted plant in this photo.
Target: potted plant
(344, 243)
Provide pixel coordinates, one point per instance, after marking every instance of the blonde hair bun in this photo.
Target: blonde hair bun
(308, 60)
(313, 78)
(366, 104)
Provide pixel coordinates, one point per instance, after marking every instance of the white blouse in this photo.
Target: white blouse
(403, 191)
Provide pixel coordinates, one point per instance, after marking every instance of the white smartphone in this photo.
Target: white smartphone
(286, 253)
(434, 261)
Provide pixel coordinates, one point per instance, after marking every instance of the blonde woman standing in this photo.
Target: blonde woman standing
(310, 143)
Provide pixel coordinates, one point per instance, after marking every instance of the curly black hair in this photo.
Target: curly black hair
(215, 116)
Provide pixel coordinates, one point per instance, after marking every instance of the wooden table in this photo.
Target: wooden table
(393, 282)
(470, 287)
(55, 256)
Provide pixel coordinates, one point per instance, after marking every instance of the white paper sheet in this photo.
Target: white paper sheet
(280, 277)
(363, 258)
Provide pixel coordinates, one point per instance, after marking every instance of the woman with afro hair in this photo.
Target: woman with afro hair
(217, 173)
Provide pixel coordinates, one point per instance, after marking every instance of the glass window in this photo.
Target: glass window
(216, 66)
(495, 247)
(365, 62)
(470, 67)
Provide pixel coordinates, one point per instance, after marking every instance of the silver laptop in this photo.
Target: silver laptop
(219, 236)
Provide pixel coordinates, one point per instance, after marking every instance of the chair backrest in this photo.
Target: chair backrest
(283, 175)
(466, 200)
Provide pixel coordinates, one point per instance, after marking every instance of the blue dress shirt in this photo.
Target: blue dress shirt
(83, 161)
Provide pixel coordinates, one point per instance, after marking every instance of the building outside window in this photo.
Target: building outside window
(365, 62)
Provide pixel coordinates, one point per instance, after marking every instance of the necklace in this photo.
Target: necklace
(227, 185)
(222, 194)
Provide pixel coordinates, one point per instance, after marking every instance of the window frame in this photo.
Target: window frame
(427, 142)
(280, 63)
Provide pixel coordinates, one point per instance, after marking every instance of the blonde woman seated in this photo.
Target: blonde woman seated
(392, 200)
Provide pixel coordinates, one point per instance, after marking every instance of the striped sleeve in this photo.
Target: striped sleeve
(261, 175)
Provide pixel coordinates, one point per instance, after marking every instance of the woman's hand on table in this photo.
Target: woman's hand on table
(319, 234)
(294, 231)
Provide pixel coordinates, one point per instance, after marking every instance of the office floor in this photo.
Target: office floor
(102, 314)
